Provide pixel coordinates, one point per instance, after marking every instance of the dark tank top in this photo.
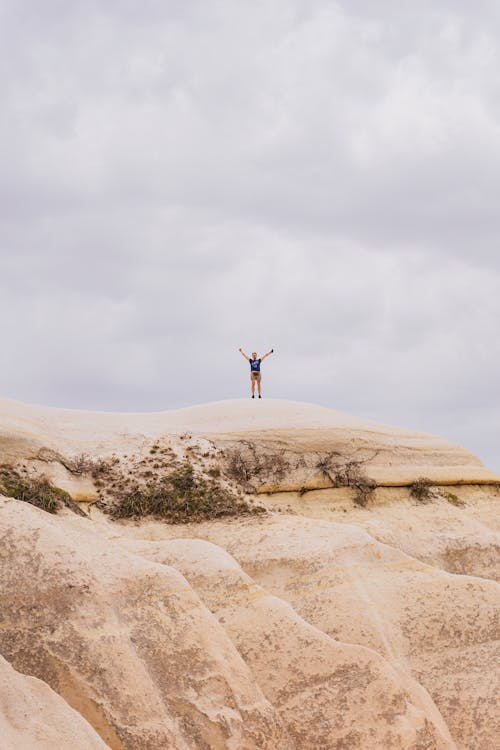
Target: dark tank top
(255, 365)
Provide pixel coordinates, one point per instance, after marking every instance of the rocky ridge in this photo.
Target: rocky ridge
(326, 621)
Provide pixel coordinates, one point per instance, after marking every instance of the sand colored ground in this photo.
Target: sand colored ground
(319, 626)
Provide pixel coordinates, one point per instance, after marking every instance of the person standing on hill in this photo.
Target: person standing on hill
(255, 374)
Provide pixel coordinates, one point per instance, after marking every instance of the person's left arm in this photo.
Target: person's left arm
(267, 354)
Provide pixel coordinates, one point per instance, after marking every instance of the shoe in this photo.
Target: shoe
(253, 396)
(260, 396)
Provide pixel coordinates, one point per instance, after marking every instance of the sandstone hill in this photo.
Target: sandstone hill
(317, 582)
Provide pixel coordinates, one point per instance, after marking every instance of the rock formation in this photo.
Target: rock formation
(325, 623)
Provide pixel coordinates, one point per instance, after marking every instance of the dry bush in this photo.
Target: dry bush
(345, 472)
(178, 497)
(422, 490)
(239, 467)
(245, 464)
(364, 489)
(38, 491)
(82, 464)
(329, 464)
(103, 468)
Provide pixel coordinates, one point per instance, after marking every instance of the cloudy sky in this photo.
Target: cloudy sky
(179, 178)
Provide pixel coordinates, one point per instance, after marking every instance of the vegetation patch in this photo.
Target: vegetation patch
(251, 466)
(163, 481)
(422, 490)
(180, 496)
(38, 491)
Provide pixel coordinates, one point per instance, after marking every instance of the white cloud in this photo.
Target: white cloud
(181, 179)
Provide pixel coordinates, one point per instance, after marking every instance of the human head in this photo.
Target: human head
(254, 355)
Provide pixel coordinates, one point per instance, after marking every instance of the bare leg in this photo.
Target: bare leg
(252, 380)
(259, 381)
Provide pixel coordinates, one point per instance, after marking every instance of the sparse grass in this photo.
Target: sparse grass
(38, 491)
(179, 497)
(422, 490)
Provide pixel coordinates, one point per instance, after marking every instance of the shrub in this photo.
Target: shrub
(422, 490)
(38, 491)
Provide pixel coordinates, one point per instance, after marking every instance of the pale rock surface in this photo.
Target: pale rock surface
(394, 455)
(33, 717)
(323, 626)
(329, 694)
(440, 628)
(126, 642)
(440, 534)
(462, 538)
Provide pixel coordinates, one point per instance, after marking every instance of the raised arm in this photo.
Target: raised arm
(243, 354)
(267, 353)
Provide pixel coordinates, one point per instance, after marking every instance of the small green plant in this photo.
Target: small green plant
(452, 498)
(422, 490)
(38, 491)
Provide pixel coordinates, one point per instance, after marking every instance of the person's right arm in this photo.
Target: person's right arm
(243, 354)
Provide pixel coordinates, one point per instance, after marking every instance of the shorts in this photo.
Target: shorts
(255, 375)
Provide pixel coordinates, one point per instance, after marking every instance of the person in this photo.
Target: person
(255, 374)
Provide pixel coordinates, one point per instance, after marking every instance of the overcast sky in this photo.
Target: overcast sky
(179, 178)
